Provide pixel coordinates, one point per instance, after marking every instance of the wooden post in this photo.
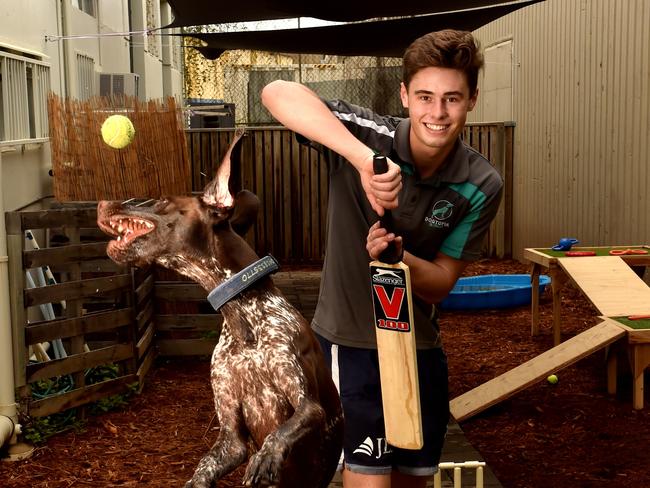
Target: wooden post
(640, 354)
(508, 181)
(558, 279)
(73, 309)
(497, 158)
(534, 302)
(612, 368)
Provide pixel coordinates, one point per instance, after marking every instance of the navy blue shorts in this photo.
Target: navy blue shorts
(356, 374)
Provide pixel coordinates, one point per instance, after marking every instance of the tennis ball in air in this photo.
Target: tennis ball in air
(552, 379)
(118, 131)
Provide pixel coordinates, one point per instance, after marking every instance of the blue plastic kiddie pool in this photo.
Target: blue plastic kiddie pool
(492, 291)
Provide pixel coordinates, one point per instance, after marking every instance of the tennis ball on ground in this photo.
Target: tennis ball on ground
(118, 131)
(552, 379)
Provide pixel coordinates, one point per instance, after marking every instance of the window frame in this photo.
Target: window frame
(88, 7)
(24, 88)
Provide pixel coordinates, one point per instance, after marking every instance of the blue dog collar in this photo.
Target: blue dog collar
(232, 287)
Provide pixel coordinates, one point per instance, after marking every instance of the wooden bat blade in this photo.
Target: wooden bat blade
(393, 306)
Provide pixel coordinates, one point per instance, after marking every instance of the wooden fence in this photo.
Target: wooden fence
(289, 179)
(186, 324)
(98, 313)
(496, 141)
(291, 182)
(67, 294)
(87, 169)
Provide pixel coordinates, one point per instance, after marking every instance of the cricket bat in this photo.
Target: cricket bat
(393, 307)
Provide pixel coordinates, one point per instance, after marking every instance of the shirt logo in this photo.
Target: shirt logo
(440, 212)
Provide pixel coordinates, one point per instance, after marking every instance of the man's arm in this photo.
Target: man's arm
(433, 280)
(301, 110)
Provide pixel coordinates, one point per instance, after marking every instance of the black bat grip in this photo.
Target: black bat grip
(389, 255)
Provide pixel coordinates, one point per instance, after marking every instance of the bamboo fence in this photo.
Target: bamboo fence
(86, 169)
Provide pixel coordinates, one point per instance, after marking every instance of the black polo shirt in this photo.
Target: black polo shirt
(449, 212)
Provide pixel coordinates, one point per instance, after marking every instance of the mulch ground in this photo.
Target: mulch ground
(571, 434)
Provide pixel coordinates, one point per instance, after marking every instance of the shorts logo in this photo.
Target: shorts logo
(440, 212)
(367, 447)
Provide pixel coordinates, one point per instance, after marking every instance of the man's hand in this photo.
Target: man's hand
(381, 190)
(378, 240)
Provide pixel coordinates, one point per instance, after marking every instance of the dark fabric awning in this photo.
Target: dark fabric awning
(376, 38)
(204, 12)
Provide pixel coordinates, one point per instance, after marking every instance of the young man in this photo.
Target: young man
(443, 196)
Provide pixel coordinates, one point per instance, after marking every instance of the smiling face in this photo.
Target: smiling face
(438, 100)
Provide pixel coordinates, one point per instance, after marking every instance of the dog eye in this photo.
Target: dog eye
(160, 205)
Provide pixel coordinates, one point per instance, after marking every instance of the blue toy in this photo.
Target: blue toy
(565, 244)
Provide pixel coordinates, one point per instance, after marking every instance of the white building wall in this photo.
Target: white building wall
(153, 58)
(24, 168)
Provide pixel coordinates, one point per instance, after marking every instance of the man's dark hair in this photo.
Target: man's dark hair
(444, 49)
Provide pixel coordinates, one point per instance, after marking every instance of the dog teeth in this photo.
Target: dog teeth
(128, 226)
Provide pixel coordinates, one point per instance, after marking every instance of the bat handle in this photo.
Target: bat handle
(390, 254)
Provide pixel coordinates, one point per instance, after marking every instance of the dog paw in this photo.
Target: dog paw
(197, 483)
(192, 484)
(204, 475)
(264, 467)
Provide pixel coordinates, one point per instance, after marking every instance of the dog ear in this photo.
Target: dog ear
(217, 193)
(245, 212)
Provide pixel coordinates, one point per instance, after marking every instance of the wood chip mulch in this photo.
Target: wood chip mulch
(568, 435)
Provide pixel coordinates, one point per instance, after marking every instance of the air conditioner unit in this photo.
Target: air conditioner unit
(118, 84)
(212, 116)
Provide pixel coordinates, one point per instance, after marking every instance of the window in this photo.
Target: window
(88, 6)
(24, 85)
(85, 76)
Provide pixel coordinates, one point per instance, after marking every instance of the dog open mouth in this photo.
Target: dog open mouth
(126, 229)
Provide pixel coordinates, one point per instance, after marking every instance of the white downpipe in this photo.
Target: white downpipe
(10, 429)
(8, 411)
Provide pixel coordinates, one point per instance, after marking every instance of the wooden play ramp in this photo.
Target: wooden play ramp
(612, 287)
(537, 369)
(609, 284)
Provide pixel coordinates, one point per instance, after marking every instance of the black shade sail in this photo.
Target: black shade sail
(377, 38)
(205, 12)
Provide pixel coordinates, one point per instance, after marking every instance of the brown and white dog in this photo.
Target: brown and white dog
(272, 389)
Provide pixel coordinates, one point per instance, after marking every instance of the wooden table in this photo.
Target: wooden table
(614, 291)
(637, 351)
